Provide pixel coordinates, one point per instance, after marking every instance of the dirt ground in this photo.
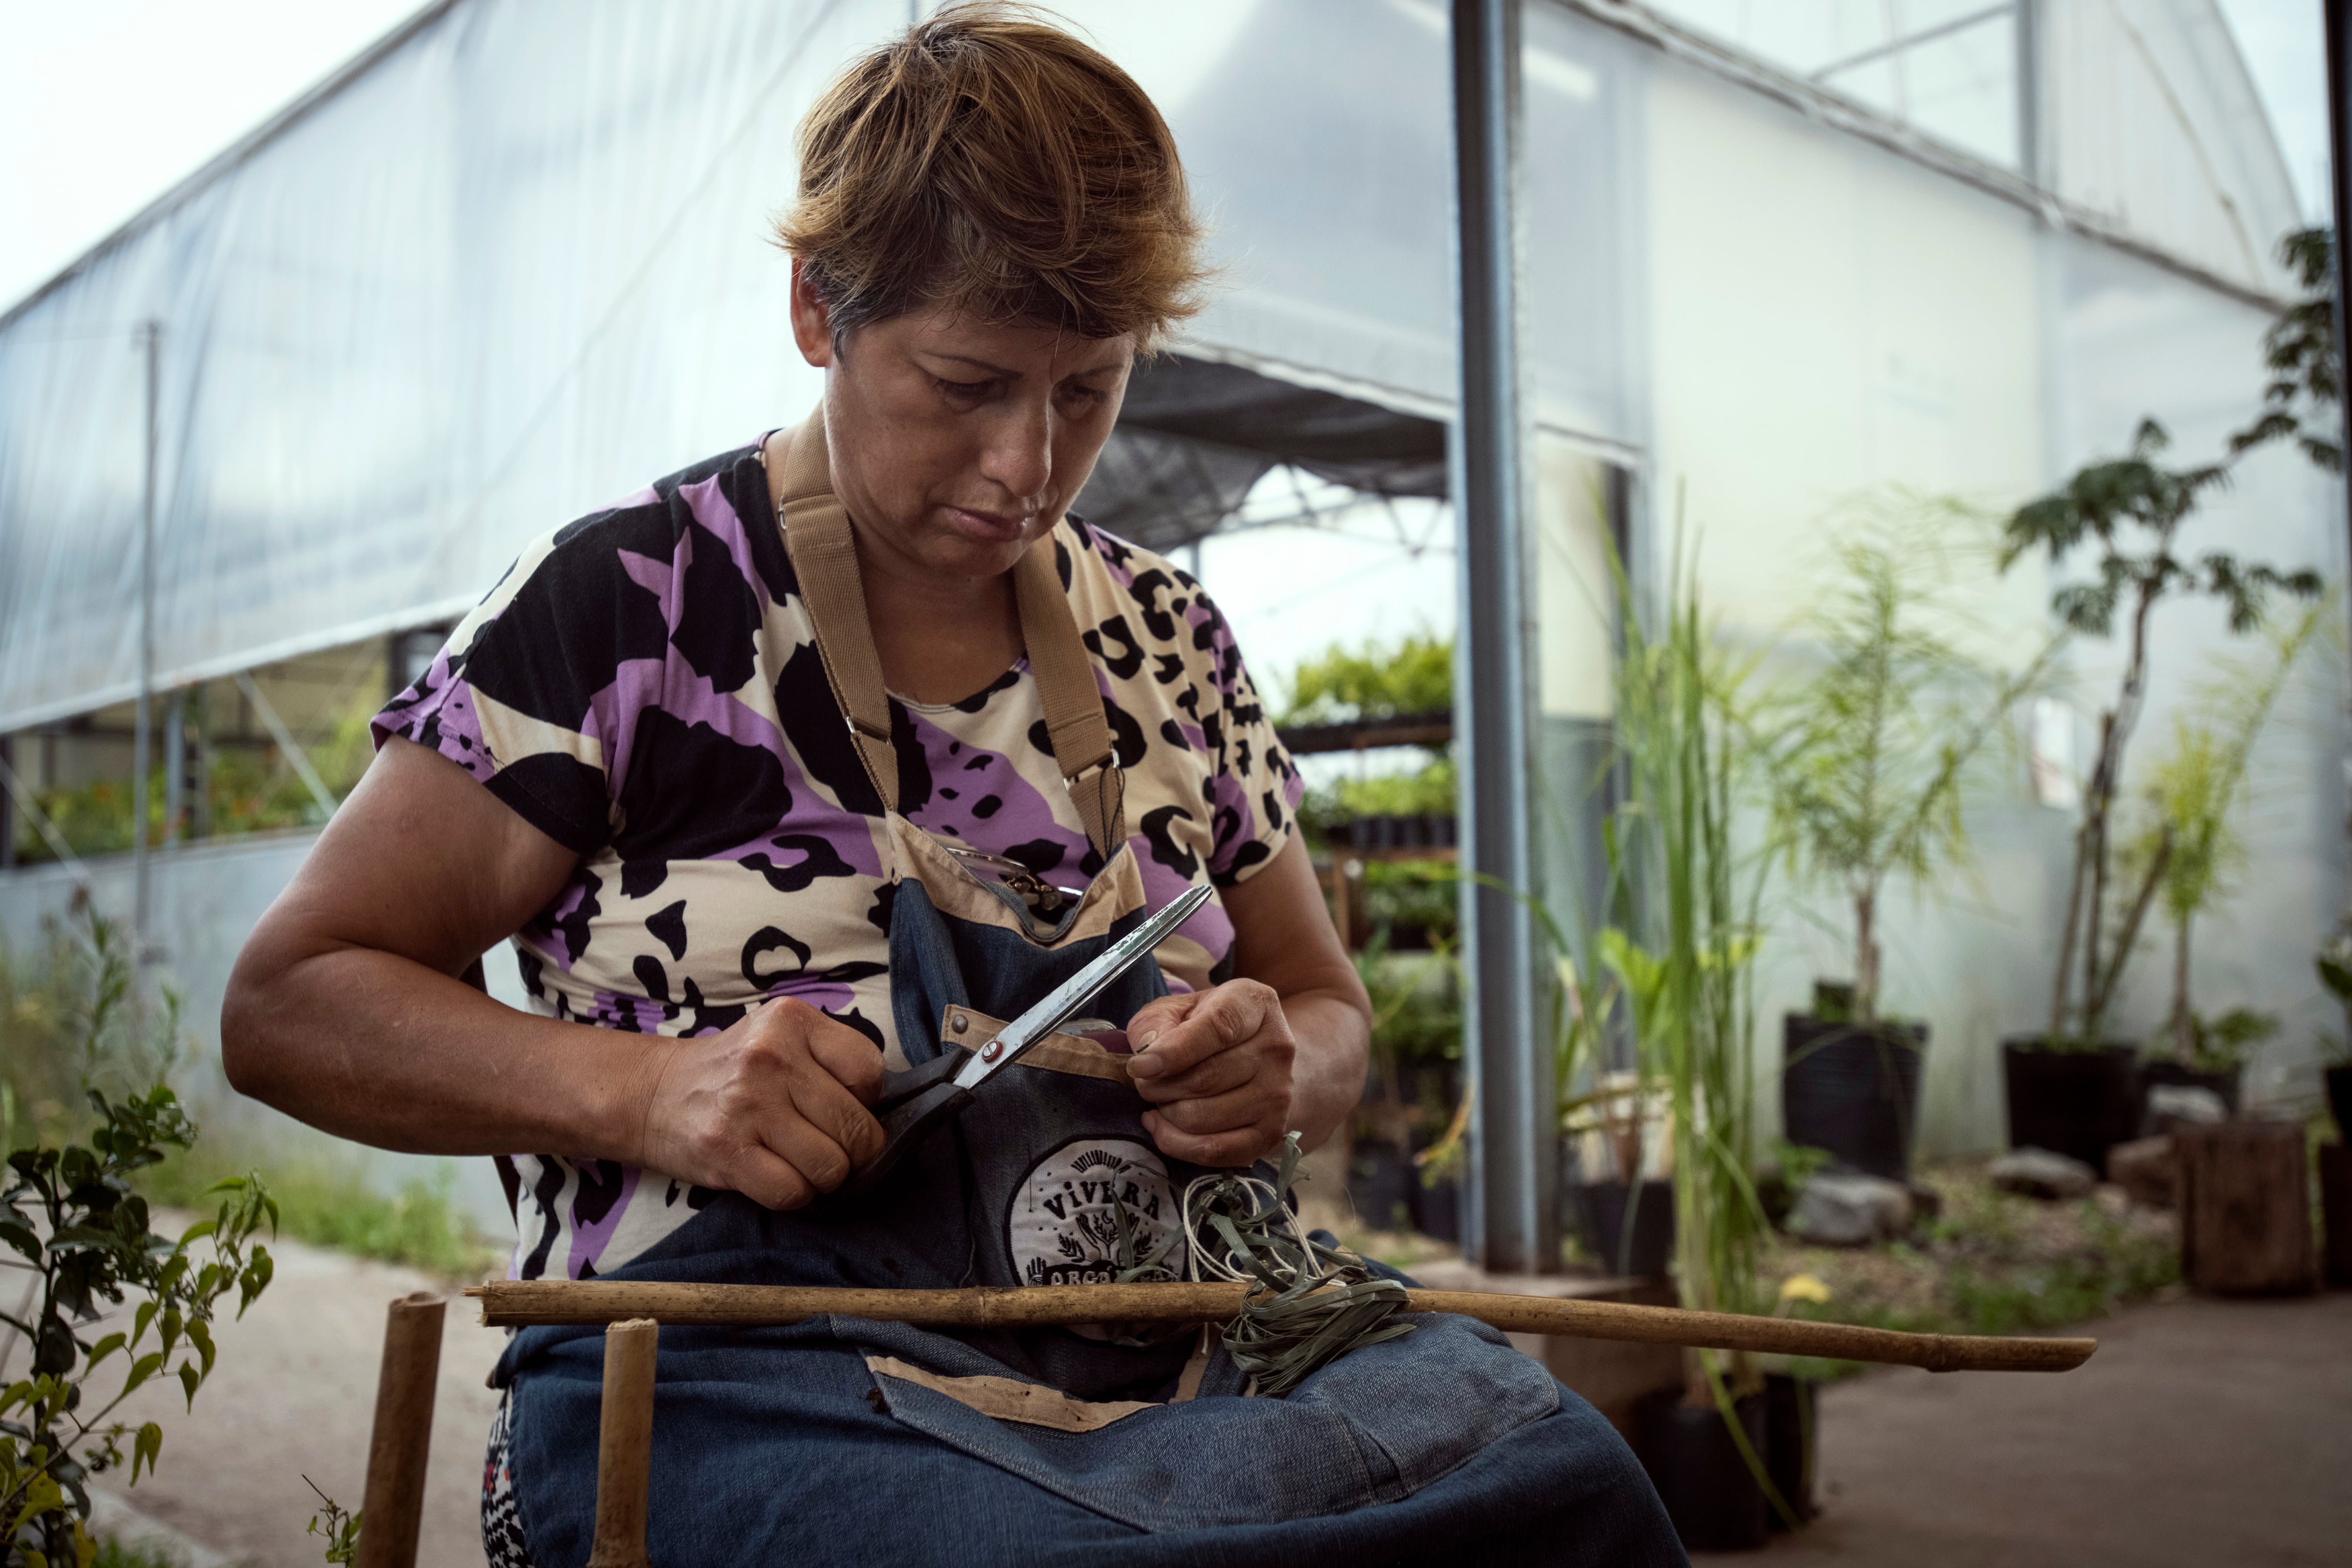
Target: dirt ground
(292, 1395)
(2203, 1433)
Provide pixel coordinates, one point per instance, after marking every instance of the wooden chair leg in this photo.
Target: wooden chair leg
(403, 1440)
(624, 1444)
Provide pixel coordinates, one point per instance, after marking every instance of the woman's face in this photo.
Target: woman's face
(955, 444)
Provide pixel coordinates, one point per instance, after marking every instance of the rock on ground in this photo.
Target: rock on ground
(1841, 1210)
(2039, 1174)
(2171, 1105)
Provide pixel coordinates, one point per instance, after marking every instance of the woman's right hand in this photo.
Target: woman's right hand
(773, 1108)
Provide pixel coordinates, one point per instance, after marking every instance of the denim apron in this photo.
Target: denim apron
(841, 1440)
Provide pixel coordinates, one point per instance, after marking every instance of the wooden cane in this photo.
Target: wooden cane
(624, 1440)
(521, 1303)
(394, 1499)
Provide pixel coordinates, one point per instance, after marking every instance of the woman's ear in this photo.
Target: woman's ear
(811, 318)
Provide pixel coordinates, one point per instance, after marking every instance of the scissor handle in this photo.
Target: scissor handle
(912, 1105)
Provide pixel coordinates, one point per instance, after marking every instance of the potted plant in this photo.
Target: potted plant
(1869, 754)
(2071, 1088)
(2193, 802)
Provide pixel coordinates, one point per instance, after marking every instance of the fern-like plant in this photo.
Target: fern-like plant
(2198, 790)
(1871, 751)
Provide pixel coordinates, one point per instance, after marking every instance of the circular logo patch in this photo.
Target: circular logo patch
(1065, 1225)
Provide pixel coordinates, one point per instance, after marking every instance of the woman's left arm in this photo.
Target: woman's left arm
(1281, 1047)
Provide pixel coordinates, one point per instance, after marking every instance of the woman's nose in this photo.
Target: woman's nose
(1019, 453)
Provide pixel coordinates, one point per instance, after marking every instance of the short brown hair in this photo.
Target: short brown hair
(986, 161)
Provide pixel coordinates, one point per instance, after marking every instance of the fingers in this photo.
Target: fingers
(1238, 1146)
(770, 1180)
(1217, 1021)
(775, 1108)
(1158, 1016)
(1249, 1106)
(1225, 1071)
(845, 1054)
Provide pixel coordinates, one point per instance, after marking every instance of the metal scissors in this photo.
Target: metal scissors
(918, 1102)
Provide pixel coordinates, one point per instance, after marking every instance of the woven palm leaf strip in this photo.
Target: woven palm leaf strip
(1311, 1304)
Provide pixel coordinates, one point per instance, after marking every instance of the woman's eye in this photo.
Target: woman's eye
(968, 390)
(1088, 394)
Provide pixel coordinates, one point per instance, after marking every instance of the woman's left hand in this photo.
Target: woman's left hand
(1217, 1066)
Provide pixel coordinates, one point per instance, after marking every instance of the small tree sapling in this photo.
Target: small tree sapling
(1870, 755)
(2129, 510)
(2195, 798)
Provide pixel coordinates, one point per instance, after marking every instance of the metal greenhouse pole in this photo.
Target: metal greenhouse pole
(2339, 187)
(143, 745)
(1512, 1221)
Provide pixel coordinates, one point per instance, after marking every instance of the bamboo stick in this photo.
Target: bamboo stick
(394, 1500)
(624, 1444)
(518, 1303)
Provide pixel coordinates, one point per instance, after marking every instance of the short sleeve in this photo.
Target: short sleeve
(1255, 790)
(528, 691)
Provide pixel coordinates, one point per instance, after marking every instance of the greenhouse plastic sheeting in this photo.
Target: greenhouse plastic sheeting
(515, 265)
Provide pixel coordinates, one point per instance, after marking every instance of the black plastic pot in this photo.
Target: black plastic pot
(2164, 1071)
(1437, 1208)
(2336, 1209)
(1709, 1490)
(1853, 1090)
(2079, 1104)
(1792, 1443)
(2340, 1099)
(1599, 1210)
(1380, 1179)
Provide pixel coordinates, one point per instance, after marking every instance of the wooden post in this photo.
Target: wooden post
(394, 1499)
(2245, 1207)
(625, 1442)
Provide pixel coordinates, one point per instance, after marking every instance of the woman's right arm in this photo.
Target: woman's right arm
(345, 1011)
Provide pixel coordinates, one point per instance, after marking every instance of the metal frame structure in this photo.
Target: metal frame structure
(1512, 1223)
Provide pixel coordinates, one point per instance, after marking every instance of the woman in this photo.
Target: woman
(733, 909)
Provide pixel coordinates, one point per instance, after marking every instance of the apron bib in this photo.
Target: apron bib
(1048, 1177)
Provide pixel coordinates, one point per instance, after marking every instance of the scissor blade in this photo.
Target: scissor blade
(1008, 1047)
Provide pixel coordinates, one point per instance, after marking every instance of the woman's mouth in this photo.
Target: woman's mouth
(989, 526)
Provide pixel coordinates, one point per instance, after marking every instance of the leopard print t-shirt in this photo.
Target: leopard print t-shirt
(643, 686)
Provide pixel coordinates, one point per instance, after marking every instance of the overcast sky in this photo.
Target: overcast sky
(105, 103)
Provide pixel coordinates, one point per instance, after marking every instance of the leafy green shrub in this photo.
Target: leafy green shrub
(1429, 791)
(70, 1216)
(74, 1018)
(1414, 675)
(1417, 896)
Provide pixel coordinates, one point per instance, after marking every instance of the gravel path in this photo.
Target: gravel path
(293, 1394)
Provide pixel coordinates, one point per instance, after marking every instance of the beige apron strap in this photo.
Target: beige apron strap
(824, 553)
(1074, 705)
(823, 548)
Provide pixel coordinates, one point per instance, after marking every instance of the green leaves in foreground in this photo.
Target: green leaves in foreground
(84, 1238)
(342, 1530)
